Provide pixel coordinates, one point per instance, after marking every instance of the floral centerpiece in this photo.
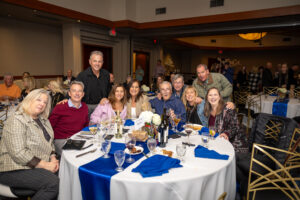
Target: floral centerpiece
(152, 121)
(281, 92)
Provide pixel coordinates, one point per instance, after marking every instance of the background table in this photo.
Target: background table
(293, 108)
(198, 178)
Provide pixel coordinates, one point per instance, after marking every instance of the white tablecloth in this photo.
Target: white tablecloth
(293, 108)
(198, 178)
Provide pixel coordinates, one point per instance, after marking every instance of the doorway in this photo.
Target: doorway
(107, 56)
(142, 59)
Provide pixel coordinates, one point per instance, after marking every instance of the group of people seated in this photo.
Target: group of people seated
(34, 135)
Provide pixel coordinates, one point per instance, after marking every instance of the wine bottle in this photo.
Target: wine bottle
(163, 134)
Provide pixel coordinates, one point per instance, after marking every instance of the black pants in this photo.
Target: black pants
(44, 183)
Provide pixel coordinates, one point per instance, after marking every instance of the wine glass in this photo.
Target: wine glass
(151, 144)
(130, 143)
(177, 119)
(180, 150)
(105, 148)
(119, 159)
(188, 131)
(205, 138)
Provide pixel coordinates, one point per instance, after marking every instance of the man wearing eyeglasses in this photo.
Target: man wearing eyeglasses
(168, 101)
(178, 85)
(96, 81)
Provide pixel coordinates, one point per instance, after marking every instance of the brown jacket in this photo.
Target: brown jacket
(23, 139)
(141, 105)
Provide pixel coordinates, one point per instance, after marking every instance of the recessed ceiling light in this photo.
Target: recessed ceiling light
(34, 11)
(8, 15)
(78, 20)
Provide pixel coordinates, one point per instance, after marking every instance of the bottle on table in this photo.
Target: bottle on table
(163, 130)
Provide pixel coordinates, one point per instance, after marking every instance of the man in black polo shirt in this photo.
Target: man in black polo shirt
(96, 81)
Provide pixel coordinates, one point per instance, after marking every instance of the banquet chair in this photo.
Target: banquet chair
(240, 100)
(269, 130)
(294, 147)
(270, 90)
(6, 192)
(278, 181)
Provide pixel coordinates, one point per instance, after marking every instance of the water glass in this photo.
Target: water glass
(151, 144)
(119, 159)
(205, 139)
(106, 148)
(180, 150)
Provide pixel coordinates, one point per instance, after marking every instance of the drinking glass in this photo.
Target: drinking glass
(119, 159)
(205, 139)
(188, 131)
(169, 111)
(180, 150)
(212, 132)
(177, 119)
(105, 148)
(151, 144)
(130, 143)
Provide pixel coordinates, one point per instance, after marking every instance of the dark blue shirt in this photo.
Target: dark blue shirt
(173, 103)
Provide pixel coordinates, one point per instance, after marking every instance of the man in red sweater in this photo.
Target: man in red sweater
(69, 118)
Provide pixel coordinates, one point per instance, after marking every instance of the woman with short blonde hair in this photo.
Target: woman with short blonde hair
(27, 150)
(56, 93)
(29, 85)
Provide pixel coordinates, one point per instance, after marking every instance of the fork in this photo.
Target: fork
(82, 154)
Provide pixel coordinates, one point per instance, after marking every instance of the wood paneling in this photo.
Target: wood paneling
(256, 14)
(37, 77)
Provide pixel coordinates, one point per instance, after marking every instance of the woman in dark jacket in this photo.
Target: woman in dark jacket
(224, 120)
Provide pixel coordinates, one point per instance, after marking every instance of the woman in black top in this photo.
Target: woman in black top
(189, 100)
(56, 93)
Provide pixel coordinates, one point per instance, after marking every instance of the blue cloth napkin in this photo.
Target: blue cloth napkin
(203, 152)
(87, 128)
(129, 122)
(156, 165)
(205, 129)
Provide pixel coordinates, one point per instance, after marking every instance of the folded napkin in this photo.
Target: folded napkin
(179, 128)
(129, 122)
(203, 152)
(205, 129)
(87, 128)
(156, 165)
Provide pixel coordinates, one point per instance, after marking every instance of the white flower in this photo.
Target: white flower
(282, 90)
(145, 88)
(147, 116)
(66, 82)
(156, 120)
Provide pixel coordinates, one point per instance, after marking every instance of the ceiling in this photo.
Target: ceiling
(282, 31)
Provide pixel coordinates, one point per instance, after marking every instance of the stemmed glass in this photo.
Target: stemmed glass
(205, 138)
(177, 119)
(130, 143)
(119, 159)
(188, 131)
(180, 150)
(212, 132)
(151, 144)
(106, 148)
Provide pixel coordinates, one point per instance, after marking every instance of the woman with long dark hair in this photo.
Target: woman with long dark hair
(116, 102)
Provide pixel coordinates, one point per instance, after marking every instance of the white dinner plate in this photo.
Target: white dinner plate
(127, 151)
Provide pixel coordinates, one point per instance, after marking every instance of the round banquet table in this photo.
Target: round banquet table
(199, 178)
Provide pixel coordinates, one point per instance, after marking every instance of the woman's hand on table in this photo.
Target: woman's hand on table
(224, 135)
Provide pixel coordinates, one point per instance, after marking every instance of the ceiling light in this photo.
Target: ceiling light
(253, 36)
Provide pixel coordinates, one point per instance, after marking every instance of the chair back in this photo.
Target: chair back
(279, 178)
(273, 131)
(6, 192)
(270, 90)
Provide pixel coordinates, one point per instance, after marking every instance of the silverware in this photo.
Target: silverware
(188, 144)
(84, 137)
(145, 155)
(91, 151)
(87, 147)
